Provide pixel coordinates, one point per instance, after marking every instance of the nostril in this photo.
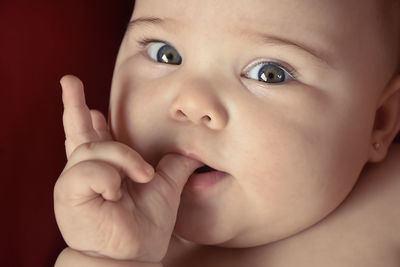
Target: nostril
(179, 114)
(206, 118)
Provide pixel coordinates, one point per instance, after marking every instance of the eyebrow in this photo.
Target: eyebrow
(276, 40)
(144, 21)
(265, 38)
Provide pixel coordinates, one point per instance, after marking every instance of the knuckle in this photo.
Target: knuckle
(116, 154)
(74, 175)
(110, 147)
(168, 179)
(104, 146)
(124, 150)
(62, 187)
(86, 168)
(85, 148)
(125, 154)
(92, 171)
(89, 147)
(85, 173)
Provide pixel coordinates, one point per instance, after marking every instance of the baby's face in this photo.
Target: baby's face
(280, 95)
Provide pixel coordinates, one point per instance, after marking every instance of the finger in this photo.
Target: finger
(69, 147)
(77, 120)
(86, 180)
(123, 158)
(175, 169)
(100, 125)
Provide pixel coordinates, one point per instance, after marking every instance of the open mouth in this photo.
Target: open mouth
(205, 177)
(204, 169)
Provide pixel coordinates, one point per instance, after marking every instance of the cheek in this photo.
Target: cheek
(290, 181)
(134, 113)
(298, 159)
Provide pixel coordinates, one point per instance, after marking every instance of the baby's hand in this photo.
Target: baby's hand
(106, 204)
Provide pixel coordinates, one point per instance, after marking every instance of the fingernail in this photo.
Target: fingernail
(145, 173)
(149, 171)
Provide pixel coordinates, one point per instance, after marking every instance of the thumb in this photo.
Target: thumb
(175, 169)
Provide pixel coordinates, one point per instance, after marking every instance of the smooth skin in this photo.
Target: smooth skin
(348, 229)
(302, 188)
(98, 209)
(293, 150)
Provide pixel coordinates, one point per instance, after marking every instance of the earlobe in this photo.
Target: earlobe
(387, 120)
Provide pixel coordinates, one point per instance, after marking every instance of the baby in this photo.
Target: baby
(240, 133)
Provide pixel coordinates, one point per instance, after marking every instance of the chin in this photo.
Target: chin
(209, 233)
(204, 232)
(227, 233)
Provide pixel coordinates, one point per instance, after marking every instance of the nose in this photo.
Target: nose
(200, 104)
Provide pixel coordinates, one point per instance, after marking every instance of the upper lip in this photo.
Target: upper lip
(188, 154)
(192, 156)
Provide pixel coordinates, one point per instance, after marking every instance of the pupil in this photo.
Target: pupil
(271, 73)
(271, 76)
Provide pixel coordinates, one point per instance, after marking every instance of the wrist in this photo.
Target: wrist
(73, 258)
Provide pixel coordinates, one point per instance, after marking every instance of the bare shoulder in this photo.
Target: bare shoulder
(379, 190)
(386, 174)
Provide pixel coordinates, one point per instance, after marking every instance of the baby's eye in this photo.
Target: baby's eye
(268, 72)
(164, 53)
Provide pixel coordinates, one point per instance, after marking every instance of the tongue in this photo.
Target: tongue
(203, 169)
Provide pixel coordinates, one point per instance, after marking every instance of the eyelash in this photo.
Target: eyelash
(146, 41)
(143, 43)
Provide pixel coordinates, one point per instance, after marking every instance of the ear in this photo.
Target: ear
(387, 120)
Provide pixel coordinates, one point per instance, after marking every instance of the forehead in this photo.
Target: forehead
(289, 16)
(250, 8)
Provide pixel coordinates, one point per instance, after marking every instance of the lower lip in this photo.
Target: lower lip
(205, 180)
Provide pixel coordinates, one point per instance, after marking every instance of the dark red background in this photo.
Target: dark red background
(39, 42)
